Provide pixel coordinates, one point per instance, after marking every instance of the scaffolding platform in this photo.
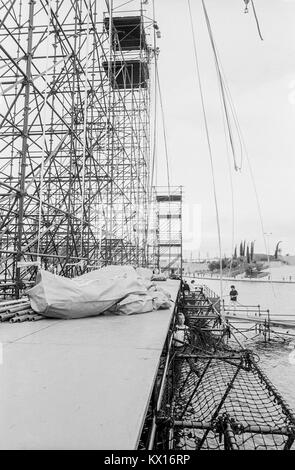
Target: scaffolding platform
(80, 384)
(127, 74)
(128, 32)
(169, 198)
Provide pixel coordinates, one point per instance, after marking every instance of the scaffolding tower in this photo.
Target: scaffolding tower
(74, 137)
(168, 244)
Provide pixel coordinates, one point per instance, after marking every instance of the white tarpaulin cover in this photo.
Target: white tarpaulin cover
(160, 300)
(87, 295)
(134, 304)
(159, 277)
(108, 272)
(145, 273)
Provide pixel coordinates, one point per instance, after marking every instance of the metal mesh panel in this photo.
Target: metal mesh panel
(216, 395)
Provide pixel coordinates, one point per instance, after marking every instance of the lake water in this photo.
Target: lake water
(276, 358)
(278, 297)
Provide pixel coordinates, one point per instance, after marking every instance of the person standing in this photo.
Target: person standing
(181, 343)
(233, 295)
(186, 288)
(181, 332)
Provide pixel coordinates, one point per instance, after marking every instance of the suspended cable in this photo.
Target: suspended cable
(155, 109)
(231, 184)
(154, 150)
(245, 152)
(85, 125)
(110, 137)
(164, 129)
(44, 119)
(223, 92)
(209, 146)
(255, 15)
(258, 208)
(256, 19)
(169, 220)
(236, 121)
(224, 86)
(151, 194)
(158, 87)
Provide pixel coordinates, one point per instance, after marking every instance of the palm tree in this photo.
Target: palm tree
(248, 255)
(241, 249)
(277, 249)
(252, 251)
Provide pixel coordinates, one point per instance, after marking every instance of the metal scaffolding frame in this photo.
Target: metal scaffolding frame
(74, 136)
(168, 232)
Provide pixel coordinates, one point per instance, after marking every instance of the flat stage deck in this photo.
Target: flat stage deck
(80, 384)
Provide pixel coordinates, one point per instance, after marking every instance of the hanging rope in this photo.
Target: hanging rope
(158, 88)
(154, 152)
(164, 130)
(209, 146)
(227, 108)
(259, 210)
(225, 92)
(256, 19)
(150, 212)
(85, 125)
(231, 185)
(44, 119)
(255, 15)
(166, 154)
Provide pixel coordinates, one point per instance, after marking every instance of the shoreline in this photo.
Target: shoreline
(215, 278)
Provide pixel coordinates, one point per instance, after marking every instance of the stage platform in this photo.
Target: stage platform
(80, 384)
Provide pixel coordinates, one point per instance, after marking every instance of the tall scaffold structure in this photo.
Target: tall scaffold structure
(168, 233)
(74, 136)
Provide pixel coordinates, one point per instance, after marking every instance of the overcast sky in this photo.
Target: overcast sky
(261, 77)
